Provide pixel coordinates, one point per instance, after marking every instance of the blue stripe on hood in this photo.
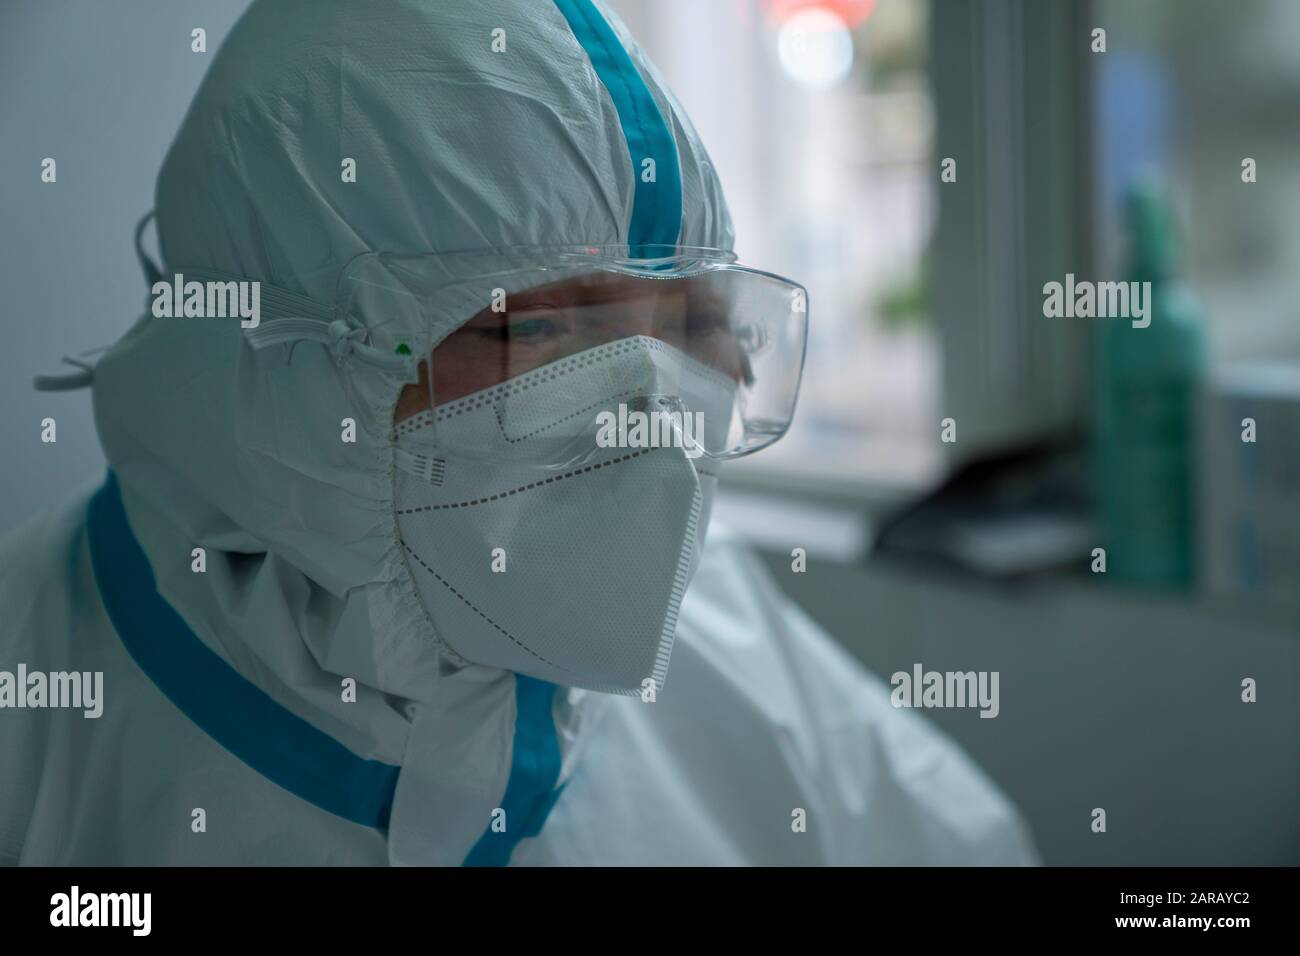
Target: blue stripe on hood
(657, 206)
(275, 742)
(534, 768)
(232, 710)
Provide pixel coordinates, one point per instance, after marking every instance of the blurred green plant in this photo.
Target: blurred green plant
(907, 302)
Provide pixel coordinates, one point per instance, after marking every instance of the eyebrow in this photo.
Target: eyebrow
(587, 289)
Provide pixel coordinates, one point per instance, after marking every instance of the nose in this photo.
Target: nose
(635, 322)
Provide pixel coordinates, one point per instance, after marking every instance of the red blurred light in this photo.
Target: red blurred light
(852, 12)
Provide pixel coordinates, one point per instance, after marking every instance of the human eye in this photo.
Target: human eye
(707, 321)
(531, 330)
(537, 325)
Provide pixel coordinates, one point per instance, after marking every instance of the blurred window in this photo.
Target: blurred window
(1194, 87)
(818, 117)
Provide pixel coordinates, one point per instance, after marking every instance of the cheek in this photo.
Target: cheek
(458, 371)
(413, 398)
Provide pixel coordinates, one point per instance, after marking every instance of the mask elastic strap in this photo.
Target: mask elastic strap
(292, 317)
(70, 380)
(341, 338)
(152, 273)
(428, 467)
(84, 377)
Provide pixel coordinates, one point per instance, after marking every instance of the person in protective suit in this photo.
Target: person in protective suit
(411, 568)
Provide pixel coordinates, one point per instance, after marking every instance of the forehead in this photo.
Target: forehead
(598, 287)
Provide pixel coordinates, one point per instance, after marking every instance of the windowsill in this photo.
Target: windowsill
(857, 470)
(826, 499)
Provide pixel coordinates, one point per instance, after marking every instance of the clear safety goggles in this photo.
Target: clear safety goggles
(677, 330)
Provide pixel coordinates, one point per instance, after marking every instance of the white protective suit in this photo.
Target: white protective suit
(228, 733)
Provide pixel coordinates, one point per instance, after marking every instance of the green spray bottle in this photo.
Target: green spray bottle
(1146, 420)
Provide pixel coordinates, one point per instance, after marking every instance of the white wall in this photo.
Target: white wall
(101, 88)
(1107, 700)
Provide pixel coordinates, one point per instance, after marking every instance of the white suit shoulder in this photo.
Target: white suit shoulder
(766, 726)
(38, 570)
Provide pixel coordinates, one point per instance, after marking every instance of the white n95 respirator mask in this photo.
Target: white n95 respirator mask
(552, 523)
